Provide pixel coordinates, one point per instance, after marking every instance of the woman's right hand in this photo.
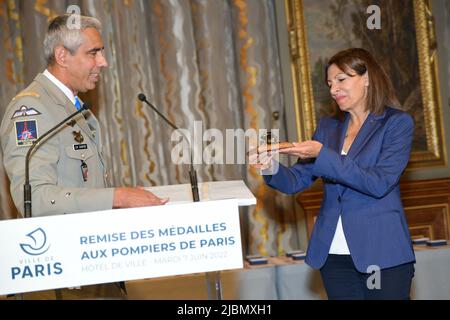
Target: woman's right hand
(261, 161)
(304, 150)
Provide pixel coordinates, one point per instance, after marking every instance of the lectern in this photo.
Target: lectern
(125, 244)
(215, 190)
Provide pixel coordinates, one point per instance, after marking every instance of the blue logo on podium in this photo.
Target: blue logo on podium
(37, 243)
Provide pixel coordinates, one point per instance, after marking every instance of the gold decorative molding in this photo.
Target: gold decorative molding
(303, 93)
(429, 82)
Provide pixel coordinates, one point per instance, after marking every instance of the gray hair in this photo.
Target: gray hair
(61, 32)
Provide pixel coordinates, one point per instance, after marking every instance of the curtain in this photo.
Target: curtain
(204, 64)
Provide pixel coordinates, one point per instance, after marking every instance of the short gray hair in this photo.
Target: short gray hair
(59, 33)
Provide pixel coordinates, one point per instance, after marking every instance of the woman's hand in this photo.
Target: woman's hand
(261, 161)
(304, 150)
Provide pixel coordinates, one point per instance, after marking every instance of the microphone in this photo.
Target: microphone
(36, 144)
(192, 172)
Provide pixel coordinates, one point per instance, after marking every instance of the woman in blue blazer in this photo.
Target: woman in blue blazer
(360, 242)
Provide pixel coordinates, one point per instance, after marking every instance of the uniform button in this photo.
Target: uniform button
(82, 155)
(68, 194)
(52, 201)
(339, 199)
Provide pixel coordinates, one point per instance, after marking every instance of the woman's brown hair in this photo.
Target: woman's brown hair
(380, 92)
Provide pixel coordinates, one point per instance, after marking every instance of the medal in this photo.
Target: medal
(84, 170)
(78, 136)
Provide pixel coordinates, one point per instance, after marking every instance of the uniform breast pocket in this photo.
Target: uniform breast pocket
(77, 155)
(81, 154)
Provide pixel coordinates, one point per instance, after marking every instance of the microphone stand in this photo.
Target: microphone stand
(213, 281)
(192, 172)
(27, 187)
(36, 144)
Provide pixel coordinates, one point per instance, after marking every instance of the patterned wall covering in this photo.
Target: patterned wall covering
(447, 36)
(198, 60)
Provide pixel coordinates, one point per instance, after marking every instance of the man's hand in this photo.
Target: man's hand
(304, 150)
(135, 197)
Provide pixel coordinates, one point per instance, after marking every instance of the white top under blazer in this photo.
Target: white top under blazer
(339, 243)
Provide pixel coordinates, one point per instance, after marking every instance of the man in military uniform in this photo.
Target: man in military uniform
(67, 172)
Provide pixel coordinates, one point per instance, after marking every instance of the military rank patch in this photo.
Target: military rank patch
(26, 132)
(27, 94)
(24, 111)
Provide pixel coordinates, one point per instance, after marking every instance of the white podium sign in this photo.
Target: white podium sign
(118, 245)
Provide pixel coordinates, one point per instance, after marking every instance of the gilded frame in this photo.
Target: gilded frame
(435, 153)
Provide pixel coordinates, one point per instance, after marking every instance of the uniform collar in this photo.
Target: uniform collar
(61, 86)
(56, 94)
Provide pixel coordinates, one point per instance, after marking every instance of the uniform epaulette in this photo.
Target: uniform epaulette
(27, 94)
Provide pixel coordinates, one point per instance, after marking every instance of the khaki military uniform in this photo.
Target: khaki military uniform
(67, 172)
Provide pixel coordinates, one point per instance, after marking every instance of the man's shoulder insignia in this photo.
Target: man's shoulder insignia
(26, 132)
(25, 111)
(27, 94)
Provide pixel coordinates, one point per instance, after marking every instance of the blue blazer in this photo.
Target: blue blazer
(362, 187)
